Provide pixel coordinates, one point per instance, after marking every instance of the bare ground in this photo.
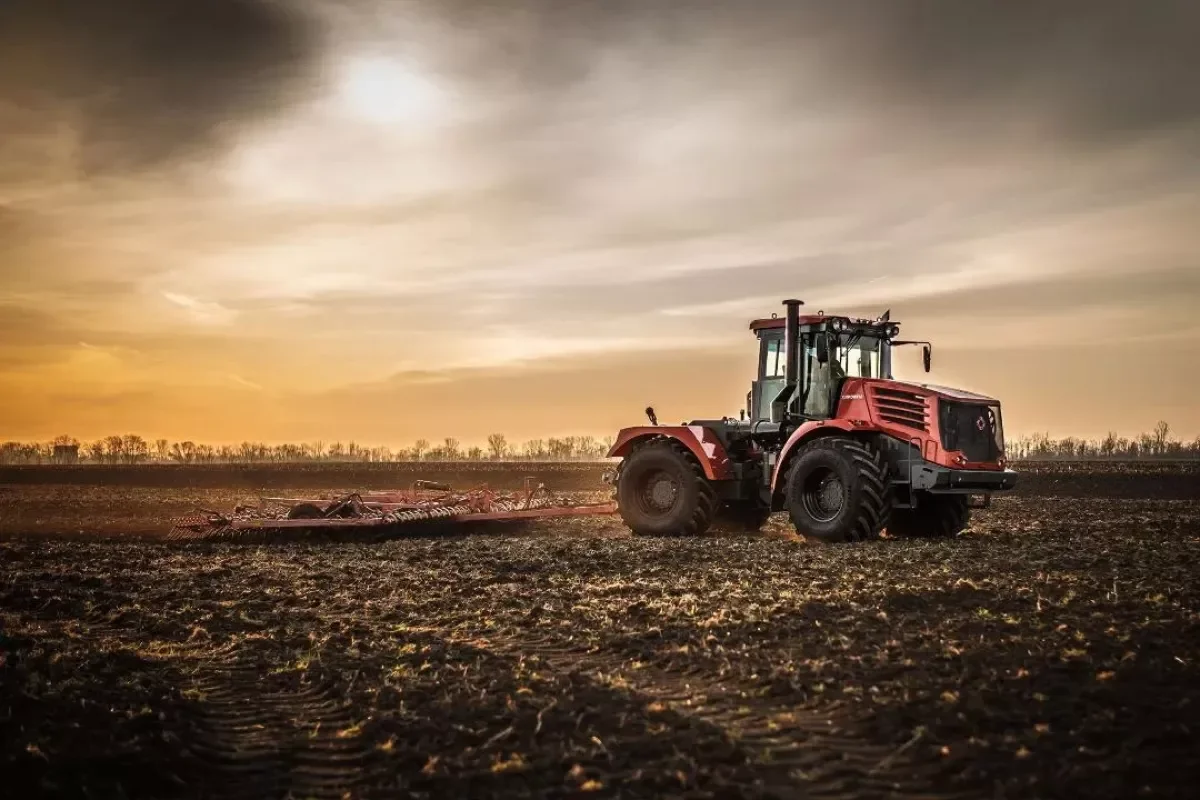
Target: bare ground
(1053, 651)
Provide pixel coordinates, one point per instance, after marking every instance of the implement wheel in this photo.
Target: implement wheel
(937, 516)
(662, 491)
(306, 511)
(837, 491)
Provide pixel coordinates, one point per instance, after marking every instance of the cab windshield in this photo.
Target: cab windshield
(860, 356)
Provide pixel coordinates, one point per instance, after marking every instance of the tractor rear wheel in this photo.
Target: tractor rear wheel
(662, 491)
(837, 491)
(937, 516)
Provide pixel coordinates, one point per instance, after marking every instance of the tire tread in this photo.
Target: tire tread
(875, 510)
(707, 501)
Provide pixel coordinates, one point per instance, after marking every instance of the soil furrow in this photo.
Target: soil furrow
(812, 752)
(296, 743)
(239, 736)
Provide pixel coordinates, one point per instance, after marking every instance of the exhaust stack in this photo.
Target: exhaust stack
(791, 369)
(792, 342)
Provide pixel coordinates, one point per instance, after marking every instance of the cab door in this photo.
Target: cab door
(772, 368)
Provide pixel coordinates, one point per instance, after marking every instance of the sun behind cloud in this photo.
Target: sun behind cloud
(386, 91)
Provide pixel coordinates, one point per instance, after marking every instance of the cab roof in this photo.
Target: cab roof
(778, 323)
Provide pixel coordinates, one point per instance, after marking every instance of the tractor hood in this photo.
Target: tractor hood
(948, 392)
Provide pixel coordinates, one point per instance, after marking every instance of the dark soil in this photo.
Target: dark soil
(1133, 480)
(396, 475)
(1178, 480)
(1053, 651)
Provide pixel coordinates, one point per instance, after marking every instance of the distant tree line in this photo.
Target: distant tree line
(1156, 444)
(133, 449)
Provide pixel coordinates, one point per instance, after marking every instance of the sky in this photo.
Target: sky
(382, 221)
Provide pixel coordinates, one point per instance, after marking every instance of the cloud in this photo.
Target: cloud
(10, 223)
(1088, 70)
(238, 380)
(205, 312)
(142, 82)
(1092, 71)
(559, 395)
(21, 325)
(17, 227)
(625, 180)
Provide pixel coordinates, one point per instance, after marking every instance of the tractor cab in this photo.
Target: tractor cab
(832, 349)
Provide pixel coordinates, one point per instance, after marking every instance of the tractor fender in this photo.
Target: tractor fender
(701, 441)
(806, 433)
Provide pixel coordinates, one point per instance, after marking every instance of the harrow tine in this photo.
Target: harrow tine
(427, 501)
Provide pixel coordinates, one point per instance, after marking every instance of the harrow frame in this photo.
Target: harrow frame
(424, 502)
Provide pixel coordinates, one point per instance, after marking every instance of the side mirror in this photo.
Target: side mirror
(927, 356)
(822, 347)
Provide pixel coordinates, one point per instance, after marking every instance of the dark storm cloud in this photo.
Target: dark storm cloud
(1086, 69)
(1095, 68)
(144, 81)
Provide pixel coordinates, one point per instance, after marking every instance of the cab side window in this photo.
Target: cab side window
(775, 359)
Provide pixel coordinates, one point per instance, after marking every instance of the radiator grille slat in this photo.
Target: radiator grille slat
(899, 394)
(901, 407)
(916, 426)
(913, 418)
(918, 411)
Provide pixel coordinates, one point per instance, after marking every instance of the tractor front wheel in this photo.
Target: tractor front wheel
(837, 491)
(937, 516)
(662, 491)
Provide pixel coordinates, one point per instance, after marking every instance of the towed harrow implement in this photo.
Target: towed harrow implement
(424, 504)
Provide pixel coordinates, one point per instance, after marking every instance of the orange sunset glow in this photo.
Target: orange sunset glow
(383, 221)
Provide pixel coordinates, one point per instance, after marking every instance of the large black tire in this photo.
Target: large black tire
(837, 491)
(662, 491)
(937, 516)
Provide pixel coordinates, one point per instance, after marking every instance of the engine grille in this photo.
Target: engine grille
(973, 429)
(901, 407)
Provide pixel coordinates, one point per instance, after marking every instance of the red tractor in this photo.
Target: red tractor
(827, 435)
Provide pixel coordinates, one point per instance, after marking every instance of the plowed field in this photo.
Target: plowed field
(1052, 651)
